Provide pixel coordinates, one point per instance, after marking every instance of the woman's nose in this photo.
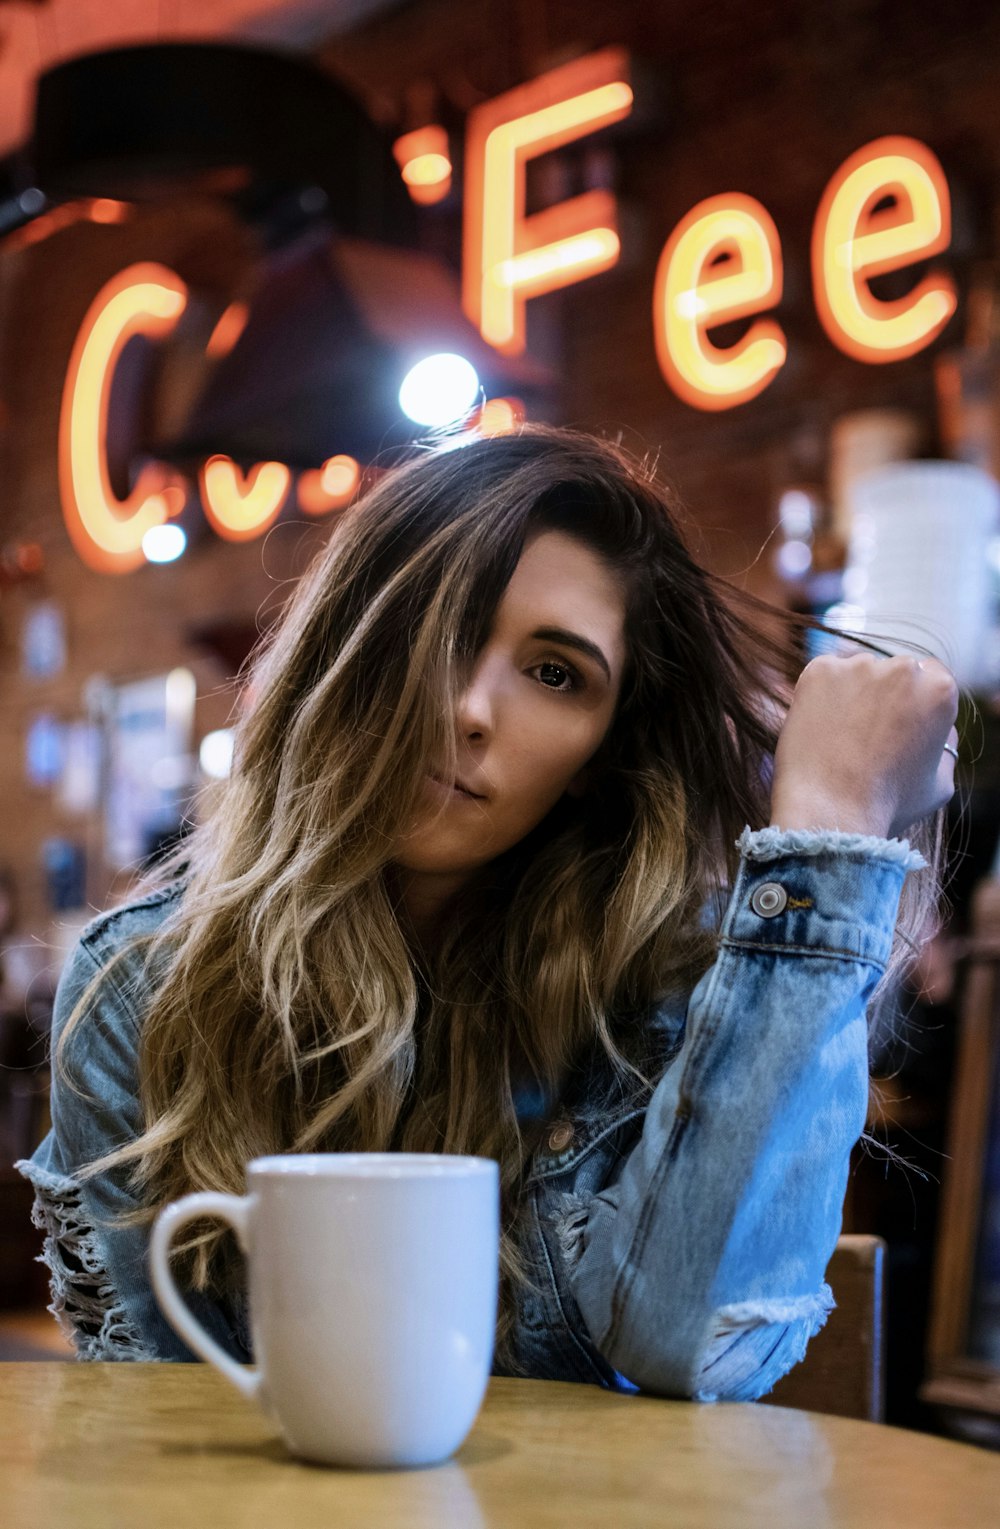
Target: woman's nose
(476, 703)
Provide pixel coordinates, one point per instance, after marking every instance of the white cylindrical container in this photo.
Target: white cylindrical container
(918, 565)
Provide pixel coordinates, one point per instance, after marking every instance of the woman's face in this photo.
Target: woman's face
(535, 709)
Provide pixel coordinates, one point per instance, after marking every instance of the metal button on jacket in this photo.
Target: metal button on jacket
(560, 1136)
(769, 899)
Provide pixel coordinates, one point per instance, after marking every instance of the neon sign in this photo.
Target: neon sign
(722, 263)
(107, 532)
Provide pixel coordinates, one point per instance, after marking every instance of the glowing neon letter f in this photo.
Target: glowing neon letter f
(508, 256)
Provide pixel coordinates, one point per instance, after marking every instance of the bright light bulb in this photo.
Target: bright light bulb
(439, 390)
(163, 544)
(216, 753)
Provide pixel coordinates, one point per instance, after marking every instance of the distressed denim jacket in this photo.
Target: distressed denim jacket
(676, 1246)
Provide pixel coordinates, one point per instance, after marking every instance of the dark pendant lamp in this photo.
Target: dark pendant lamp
(345, 304)
(150, 121)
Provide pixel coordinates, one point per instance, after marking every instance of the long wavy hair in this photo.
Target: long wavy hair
(284, 1005)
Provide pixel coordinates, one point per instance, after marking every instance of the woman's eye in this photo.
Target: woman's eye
(560, 669)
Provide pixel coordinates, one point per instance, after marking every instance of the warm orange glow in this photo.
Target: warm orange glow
(64, 215)
(339, 476)
(509, 257)
(425, 163)
(103, 209)
(499, 416)
(534, 271)
(240, 507)
(851, 243)
(428, 179)
(227, 331)
(691, 296)
(431, 139)
(329, 487)
(427, 170)
(174, 496)
(45, 225)
(107, 532)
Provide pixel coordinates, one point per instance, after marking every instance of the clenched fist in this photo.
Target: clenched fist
(862, 745)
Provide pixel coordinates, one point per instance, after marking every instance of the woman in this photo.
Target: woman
(473, 886)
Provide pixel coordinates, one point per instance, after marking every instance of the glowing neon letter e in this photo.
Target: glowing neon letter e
(852, 242)
(722, 262)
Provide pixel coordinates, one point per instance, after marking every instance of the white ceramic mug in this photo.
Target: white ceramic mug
(373, 1299)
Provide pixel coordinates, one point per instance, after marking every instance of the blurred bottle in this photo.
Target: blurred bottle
(967, 379)
(810, 554)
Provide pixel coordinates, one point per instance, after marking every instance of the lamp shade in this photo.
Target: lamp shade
(147, 121)
(333, 329)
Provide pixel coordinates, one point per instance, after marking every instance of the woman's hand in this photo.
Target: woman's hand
(862, 745)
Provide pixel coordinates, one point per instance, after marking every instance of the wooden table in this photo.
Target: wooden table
(109, 1446)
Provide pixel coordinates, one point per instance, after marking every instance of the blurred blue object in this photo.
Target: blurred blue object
(45, 748)
(65, 864)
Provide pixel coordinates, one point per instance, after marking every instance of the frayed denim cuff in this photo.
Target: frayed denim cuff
(771, 843)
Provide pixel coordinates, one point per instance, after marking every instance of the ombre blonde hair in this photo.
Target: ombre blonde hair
(285, 1008)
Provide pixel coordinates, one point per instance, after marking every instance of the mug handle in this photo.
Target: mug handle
(235, 1211)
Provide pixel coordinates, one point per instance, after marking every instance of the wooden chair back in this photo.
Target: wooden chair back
(843, 1368)
(963, 1380)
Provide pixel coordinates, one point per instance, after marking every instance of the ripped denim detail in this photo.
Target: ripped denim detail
(755, 1343)
(765, 843)
(85, 1302)
(752, 1343)
(570, 1226)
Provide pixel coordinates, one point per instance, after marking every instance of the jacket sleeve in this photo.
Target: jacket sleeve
(101, 1295)
(702, 1267)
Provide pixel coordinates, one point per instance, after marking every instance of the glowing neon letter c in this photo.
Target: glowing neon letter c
(106, 531)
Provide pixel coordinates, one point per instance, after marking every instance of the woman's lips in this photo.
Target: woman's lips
(454, 791)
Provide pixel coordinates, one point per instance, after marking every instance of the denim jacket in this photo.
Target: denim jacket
(676, 1246)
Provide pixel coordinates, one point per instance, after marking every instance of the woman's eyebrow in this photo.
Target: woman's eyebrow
(574, 640)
